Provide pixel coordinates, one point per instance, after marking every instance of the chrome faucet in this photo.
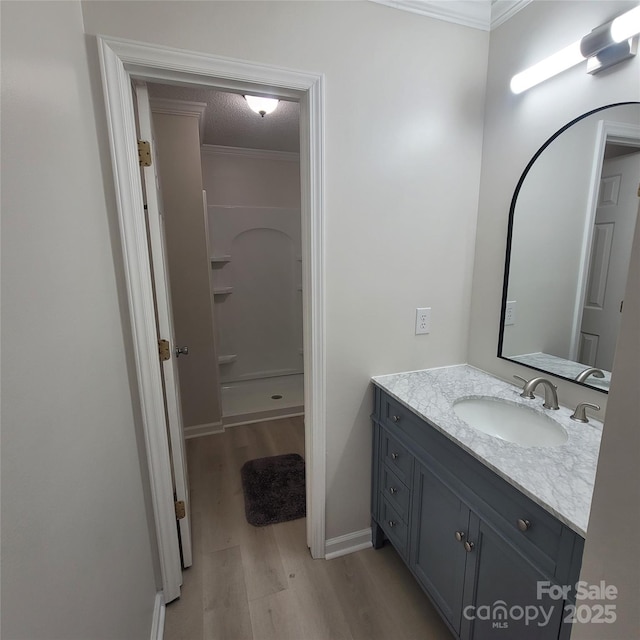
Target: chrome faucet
(550, 393)
(591, 371)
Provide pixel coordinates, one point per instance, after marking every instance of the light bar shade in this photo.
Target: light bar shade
(547, 68)
(626, 25)
(602, 47)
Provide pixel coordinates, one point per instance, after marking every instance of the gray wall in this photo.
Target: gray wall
(76, 548)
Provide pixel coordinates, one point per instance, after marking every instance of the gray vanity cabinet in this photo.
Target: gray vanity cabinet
(470, 539)
(437, 558)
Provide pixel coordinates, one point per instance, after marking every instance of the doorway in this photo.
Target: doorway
(238, 267)
(121, 62)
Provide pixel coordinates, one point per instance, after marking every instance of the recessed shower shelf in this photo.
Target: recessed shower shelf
(220, 261)
(222, 291)
(232, 357)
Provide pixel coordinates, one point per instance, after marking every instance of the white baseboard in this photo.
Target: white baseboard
(199, 430)
(157, 623)
(349, 543)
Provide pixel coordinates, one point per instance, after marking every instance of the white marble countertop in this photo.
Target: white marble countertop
(560, 479)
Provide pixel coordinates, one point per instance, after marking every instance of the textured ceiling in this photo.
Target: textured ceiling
(228, 121)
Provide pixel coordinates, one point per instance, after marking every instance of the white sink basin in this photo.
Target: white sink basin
(510, 421)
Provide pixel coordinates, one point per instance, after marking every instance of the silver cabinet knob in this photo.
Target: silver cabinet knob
(395, 418)
(459, 536)
(393, 491)
(523, 525)
(182, 351)
(392, 523)
(468, 546)
(395, 456)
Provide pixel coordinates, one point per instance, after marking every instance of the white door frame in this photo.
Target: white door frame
(607, 131)
(124, 60)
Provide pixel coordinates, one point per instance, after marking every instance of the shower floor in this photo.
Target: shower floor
(252, 400)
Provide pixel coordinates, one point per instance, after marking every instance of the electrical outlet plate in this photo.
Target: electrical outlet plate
(510, 313)
(423, 320)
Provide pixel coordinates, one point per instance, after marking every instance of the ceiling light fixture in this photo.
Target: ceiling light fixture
(263, 106)
(605, 46)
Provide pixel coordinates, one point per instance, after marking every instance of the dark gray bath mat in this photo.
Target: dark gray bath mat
(274, 489)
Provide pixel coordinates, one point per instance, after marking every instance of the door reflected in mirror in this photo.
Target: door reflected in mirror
(571, 226)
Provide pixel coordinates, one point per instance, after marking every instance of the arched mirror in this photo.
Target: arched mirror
(571, 225)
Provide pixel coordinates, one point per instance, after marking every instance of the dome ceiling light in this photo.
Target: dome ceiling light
(260, 105)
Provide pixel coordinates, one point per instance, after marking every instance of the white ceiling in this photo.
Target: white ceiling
(228, 121)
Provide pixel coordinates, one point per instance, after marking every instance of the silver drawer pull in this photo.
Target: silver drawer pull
(523, 525)
(393, 491)
(395, 418)
(459, 536)
(392, 523)
(468, 546)
(395, 456)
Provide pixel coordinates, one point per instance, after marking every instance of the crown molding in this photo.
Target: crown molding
(503, 10)
(467, 13)
(180, 108)
(485, 15)
(260, 154)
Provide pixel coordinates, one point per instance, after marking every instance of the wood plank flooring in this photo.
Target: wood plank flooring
(260, 583)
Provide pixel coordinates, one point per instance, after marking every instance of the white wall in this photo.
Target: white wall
(76, 549)
(178, 145)
(403, 133)
(515, 127)
(250, 178)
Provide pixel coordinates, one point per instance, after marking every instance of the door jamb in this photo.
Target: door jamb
(124, 60)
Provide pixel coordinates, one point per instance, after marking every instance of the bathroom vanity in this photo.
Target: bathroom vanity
(491, 530)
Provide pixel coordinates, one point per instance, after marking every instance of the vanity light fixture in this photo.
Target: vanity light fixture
(260, 105)
(605, 46)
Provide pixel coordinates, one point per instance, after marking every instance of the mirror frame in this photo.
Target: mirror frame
(512, 209)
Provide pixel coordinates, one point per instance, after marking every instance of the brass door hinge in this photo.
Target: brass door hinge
(144, 153)
(181, 510)
(163, 350)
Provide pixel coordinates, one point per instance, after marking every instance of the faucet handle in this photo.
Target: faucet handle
(525, 394)
(580, 414)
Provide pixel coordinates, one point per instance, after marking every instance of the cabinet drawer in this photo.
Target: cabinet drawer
(393, 525)
(526, 523)
(394, 414)
(396, 492)
(396, 457)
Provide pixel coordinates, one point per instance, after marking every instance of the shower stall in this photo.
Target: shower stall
(256, 280)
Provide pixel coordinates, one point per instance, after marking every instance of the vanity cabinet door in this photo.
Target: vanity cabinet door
(501, 592)
(437, 558)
